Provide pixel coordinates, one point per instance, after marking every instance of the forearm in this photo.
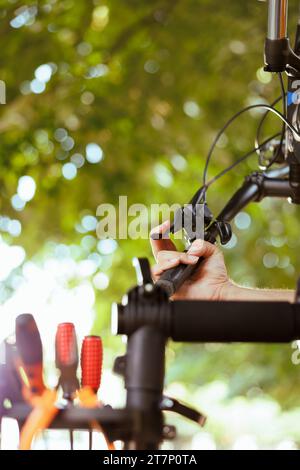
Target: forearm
(235, 292)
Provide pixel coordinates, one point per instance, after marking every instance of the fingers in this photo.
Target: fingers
(170, 259)
(203, 248)
(167, 256)
(158, 269)
(162, 244)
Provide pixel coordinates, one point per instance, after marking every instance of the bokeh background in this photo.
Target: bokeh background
(114, 97)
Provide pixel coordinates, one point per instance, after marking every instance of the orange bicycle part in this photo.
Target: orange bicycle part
(89, 399)
(40, 418)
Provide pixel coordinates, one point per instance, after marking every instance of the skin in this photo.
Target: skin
(211, 280)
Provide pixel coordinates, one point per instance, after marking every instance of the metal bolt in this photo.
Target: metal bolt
(148, 287)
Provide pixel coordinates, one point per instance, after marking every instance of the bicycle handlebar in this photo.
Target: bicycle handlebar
(221, 322)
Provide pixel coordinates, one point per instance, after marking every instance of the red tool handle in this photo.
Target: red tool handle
(66, 352)
(91, 362)
(66, 359)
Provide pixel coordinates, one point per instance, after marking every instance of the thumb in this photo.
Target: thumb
(159, 244)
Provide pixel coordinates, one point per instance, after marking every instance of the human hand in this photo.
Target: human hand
(209, 282)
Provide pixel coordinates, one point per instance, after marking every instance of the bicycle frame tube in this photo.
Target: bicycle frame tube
(293, 116)
(144, 382)
(277, 19)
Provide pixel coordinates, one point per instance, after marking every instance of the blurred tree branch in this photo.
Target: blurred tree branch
(159, 14)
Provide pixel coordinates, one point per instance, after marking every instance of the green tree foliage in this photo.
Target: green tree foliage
(146, 81)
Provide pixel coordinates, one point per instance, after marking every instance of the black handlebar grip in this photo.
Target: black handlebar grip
(172, 279)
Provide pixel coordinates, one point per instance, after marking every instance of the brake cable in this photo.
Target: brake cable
(257, 138)
(232, 119)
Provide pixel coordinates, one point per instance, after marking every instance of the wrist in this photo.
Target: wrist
(231, 291)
